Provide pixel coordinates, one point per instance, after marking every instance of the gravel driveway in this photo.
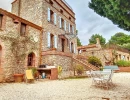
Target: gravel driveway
(70, 89)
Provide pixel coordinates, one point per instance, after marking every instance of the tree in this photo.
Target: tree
(118, 11)
(92, 40)
(78, 40)
(120, 39)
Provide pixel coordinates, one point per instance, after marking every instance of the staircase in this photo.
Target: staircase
(83, 61)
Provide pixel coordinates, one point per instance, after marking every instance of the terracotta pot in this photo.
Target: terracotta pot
(18, 77)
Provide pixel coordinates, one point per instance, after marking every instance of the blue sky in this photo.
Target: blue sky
(87, 21)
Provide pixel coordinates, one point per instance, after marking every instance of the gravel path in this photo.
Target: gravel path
(71, 89)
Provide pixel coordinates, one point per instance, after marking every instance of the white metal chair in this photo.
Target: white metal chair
(88, 73)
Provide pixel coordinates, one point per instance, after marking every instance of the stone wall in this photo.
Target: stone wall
(36, 12)
(15, 48)
(59, 60)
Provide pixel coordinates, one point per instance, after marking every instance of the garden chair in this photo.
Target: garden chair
(88, 73)
(96, 80)
(29, 75)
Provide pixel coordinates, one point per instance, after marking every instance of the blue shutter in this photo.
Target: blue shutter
(60, 22)
(55, 38)
(48, 18)
(48, 40)
(65, 24)
(55, 21)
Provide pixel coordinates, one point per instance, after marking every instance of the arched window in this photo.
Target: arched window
(31, 59)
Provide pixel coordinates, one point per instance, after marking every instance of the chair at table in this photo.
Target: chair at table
(107, 80)
(96, 78)
(29, 75)
(88, 73)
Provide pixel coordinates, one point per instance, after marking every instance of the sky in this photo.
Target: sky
(87, 21)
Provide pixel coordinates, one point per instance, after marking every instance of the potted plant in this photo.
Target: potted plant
(18, 75)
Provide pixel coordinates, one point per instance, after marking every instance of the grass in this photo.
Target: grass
(76, 77)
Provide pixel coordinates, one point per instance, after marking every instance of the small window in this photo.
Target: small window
(23, 29)
(69, 18)
(52, 40)
(50, 1)
(1, 19)
(71, 30)
(62, 23)
(61, 11)
(51, 16)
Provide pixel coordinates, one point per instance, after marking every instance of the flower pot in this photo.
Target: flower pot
(18, 77)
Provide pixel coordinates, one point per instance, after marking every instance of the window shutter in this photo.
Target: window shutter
(55, 21)
(48, 15)
(69, 27)
(70, 47)
(55, 38)
(65, 24)
(73, 29)
(48, 40)
(60, 22)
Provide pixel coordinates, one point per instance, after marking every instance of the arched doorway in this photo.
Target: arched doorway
(31, 59)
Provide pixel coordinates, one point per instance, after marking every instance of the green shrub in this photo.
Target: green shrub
(79, 69)
(122, 63)
(95, 61)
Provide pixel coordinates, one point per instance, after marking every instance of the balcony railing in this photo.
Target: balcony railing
(67, 4)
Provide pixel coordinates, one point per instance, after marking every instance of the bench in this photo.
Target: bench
(112, 67)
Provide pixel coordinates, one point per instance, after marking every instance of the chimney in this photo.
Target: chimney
(98, 41)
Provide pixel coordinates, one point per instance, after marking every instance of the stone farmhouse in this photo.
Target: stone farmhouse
(38, 32)
(106, 55)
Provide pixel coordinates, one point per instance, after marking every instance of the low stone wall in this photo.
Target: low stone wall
(124, 69)
(55, 59)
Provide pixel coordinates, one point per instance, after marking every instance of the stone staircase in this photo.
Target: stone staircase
(83, 61)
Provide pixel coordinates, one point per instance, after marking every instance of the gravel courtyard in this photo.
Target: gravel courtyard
(70, 89)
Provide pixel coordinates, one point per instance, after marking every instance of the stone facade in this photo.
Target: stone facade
(59, 29)
(106, 55)
(15, 47)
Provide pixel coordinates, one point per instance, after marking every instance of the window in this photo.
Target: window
(52, 40)
(71, 30)
(50, 1)
(51, 16)
(31, 59)
(61, 11)
(23, 29)
(62, 23)
(63, 44)
(1, 19)
(69, 18)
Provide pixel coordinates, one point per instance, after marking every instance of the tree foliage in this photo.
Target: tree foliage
(121, 39)
(78, 42)
(118, 11)
(92, 40)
